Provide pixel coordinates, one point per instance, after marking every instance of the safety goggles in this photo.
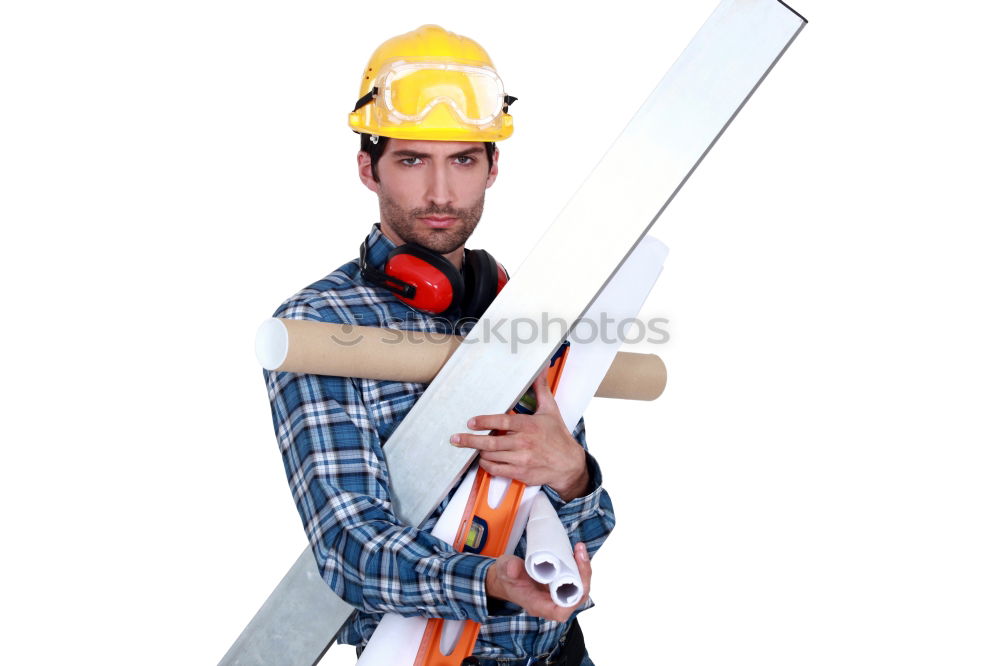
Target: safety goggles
(408, 92)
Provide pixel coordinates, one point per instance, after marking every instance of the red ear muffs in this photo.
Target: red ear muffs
(425, 280)
(437, 283)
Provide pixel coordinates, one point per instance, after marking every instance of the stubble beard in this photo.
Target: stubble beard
(412, 230)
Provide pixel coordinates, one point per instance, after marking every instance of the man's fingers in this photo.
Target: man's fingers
(532, 596)
(540, 604)
(583, 564)
(512, 568)
(543, 394)
(583, 561)
(483, 442)
(506, 457)
(499, 469)
(494, 422)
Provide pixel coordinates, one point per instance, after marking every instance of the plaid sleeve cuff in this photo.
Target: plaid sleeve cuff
(464, 582)
(585, 506)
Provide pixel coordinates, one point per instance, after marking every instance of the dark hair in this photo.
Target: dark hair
(376, 150)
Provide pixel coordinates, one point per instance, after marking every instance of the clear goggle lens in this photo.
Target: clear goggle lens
(410, 91)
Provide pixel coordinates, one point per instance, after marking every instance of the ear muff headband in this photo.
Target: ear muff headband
(480, 282)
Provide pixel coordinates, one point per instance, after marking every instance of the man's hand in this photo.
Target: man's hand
(508, 579)
(536, 449)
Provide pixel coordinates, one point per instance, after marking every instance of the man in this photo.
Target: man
(431, 108)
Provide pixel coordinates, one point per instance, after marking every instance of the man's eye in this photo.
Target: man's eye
(410, 161)
(465, 159)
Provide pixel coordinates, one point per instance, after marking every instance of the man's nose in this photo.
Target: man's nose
(439, 189)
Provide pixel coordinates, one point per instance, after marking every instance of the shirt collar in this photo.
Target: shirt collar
(379, 246)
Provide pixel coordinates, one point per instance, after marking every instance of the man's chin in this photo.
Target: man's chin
(441, 241)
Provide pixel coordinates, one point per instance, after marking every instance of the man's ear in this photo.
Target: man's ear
(365, 171)
(492, 176)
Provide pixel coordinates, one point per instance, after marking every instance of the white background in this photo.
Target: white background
(817, 485)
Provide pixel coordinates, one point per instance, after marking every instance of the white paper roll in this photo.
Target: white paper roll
(549, 556)
(396, 635)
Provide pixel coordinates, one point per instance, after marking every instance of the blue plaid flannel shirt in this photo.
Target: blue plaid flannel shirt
(331, 430)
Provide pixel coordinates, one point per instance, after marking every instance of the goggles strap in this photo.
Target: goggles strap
(373, 93)
(367, 99)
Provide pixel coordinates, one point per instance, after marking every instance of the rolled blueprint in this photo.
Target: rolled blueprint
(549, 555)
(344, 350)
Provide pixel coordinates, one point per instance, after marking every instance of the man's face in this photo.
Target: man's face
(430, 192)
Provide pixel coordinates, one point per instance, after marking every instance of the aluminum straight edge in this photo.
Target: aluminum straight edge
(297, 623)
(621, 199)
(617, 204)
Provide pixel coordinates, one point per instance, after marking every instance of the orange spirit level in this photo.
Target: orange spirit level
(484, 530)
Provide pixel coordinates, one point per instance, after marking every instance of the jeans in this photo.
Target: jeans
(571, 651)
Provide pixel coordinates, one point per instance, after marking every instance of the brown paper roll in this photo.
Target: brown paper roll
(634, 377)
(343, 350)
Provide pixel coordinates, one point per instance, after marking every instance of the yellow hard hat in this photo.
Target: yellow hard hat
(431, 84)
